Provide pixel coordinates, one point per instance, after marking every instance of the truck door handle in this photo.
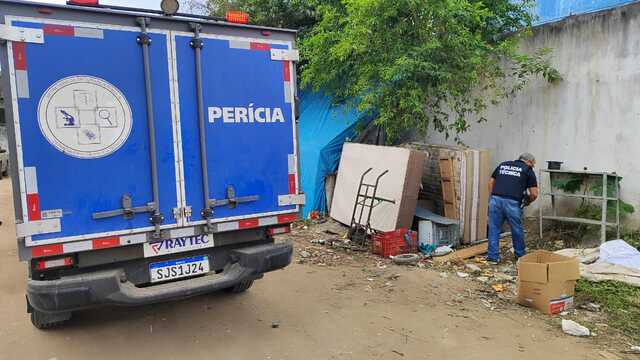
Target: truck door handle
(232, 200)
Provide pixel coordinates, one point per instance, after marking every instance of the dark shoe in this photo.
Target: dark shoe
(493, 262)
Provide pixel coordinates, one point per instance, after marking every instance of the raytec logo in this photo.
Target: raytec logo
(248, 114)
(170, 246)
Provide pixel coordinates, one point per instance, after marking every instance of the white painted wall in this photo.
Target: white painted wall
(590, 119)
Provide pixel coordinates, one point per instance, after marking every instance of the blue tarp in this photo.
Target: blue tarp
(551, 10)
(323, 130)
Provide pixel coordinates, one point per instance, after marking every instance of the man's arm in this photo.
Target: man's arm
(492, 182)
(532, 186)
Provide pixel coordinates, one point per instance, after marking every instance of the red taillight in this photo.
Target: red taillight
(83, 2)
(279, 230)
(55, 263)
(237, 17)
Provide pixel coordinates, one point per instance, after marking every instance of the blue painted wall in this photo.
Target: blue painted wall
(551, 10)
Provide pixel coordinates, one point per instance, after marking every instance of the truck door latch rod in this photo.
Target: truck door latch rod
(197, 44)
(128, 211)
(232, 200)
(144, 40)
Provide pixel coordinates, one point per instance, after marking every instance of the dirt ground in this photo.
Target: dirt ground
(346, 306)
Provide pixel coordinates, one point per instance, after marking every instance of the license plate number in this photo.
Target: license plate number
(179, 268)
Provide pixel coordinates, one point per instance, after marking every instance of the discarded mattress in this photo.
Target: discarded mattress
(595, 265)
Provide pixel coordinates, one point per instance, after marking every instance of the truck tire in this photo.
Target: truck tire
(241, 286)
(45, 321)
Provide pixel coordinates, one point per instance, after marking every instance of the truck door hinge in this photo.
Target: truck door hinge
(285, 55)
(177, 213)
(22, 34)
(187, 212)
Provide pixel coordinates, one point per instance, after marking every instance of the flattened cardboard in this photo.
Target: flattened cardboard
(546, 281)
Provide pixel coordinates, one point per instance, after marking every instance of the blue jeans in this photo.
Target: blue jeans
(501, 209)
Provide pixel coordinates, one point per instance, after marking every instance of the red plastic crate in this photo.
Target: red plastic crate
(392, 243)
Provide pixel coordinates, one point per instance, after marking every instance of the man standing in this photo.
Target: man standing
(512, 186)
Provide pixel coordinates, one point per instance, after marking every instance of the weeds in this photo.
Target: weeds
(620, 301)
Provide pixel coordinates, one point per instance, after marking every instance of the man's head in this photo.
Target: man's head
(528, 159)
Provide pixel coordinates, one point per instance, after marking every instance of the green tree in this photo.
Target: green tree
(422, 64)
(417, 65)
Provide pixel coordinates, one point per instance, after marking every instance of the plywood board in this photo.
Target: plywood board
(400, 184)
(467, 252)
(448, 189)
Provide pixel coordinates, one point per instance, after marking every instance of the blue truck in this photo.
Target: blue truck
(153, 154)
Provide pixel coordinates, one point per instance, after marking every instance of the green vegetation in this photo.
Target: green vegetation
(592, 185)
(632, 237)
(417, 65)
(620, 301)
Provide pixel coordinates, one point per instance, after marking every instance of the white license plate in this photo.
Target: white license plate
(179, 268)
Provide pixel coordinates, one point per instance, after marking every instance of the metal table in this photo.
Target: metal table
(604, 198)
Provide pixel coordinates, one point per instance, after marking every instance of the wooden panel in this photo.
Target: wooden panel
(400, 184)
(448, 189)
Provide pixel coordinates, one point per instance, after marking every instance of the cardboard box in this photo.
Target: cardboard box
(401, 184)
(547, 281)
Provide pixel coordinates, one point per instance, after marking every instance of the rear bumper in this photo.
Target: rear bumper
(110, 287)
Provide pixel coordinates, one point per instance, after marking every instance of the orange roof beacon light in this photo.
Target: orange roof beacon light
(83, 2)
(237, 17)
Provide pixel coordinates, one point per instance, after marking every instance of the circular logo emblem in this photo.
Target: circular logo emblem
(84, 117)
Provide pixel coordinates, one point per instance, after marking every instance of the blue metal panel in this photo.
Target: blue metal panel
(550, 10)
(80, 187)
(250, 156)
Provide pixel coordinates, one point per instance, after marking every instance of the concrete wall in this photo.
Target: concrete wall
(590, 119)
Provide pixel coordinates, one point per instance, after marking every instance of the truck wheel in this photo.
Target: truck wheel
(44, 321)
(241, 286)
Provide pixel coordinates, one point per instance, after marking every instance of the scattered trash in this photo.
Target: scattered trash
(503, 277)
(442, 250)
(497, 288)
(591, 307)
(473, 268)
(393, 277)
(275, 324)
(444, 275)
(462, 274)
(305, 254)
(483, 279)
(564, 313)
(406, 259)
(397, 352)
(635, 350)
(573, 328)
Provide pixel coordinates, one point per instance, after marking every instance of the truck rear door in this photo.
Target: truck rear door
(249, 130)
(79, 104)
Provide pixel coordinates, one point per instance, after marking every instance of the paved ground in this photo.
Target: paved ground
(349, 311)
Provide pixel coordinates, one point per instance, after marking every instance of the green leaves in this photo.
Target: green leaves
(420, 64)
